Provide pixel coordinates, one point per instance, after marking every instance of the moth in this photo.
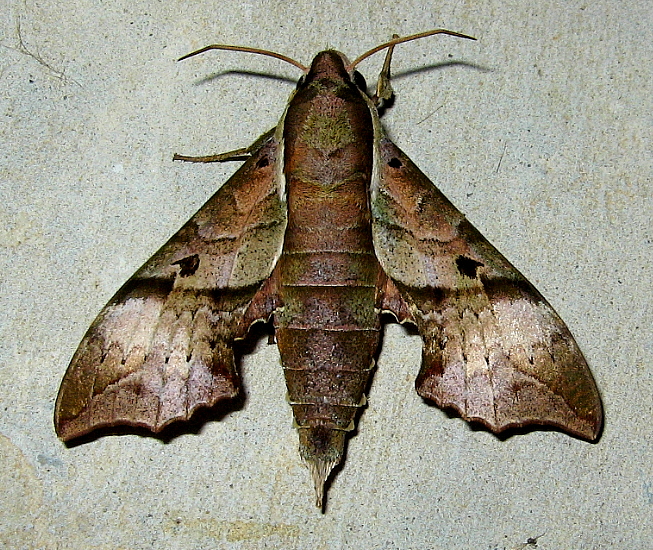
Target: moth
(325, 227)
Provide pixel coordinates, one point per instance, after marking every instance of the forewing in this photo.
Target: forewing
(162, 347)
(494, 349)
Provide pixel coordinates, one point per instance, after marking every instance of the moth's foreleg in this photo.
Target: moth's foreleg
(237, 154)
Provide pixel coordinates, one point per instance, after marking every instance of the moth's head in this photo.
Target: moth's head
(331, 65)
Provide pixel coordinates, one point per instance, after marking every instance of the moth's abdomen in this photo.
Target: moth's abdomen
(328, 326)
(328, 334)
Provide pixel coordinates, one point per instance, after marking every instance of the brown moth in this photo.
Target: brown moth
(327, 225)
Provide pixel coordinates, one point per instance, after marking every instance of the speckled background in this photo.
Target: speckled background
(540, 133)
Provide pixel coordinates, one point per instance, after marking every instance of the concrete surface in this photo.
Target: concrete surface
(540, 132)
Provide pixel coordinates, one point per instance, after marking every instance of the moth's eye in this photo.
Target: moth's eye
(359, 80)
(300, 82)
(394, 163)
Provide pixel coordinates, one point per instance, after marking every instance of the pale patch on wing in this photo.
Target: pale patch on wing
(130, 323)
(512, 363)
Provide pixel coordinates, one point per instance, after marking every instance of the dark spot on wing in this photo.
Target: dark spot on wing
(188, 266)
(263, 162)
(468, 267)
(395, 163)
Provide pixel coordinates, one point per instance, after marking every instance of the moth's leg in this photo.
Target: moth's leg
(237, 154)
(384, 89)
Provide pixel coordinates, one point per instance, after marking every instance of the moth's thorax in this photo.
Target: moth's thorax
(328, 148)
(328, 127)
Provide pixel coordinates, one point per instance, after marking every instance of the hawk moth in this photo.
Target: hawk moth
(326, 226)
